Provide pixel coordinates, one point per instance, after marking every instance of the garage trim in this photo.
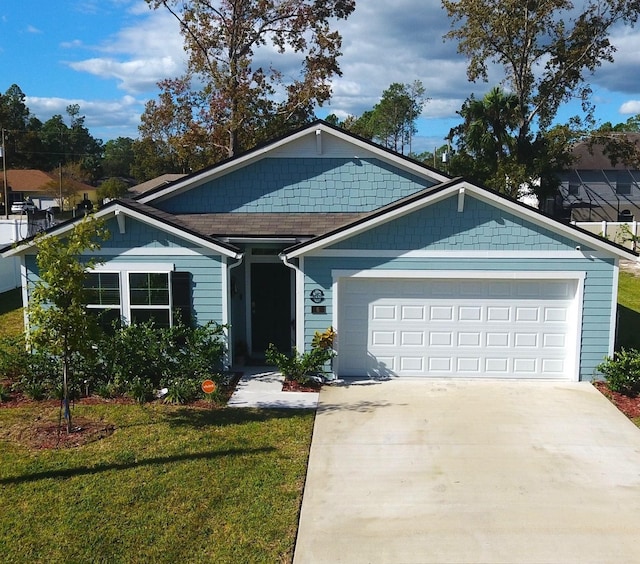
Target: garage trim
(575, 276)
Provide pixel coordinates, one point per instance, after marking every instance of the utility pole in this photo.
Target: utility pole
(4, 177)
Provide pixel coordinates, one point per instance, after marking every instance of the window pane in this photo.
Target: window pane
(159, 316)
(102, 288)
(149, 288)
(107, 318)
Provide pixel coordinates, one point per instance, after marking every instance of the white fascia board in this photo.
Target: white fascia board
(463, 274)
(481, 194)
(397, 160)
(375, 221)
(548, 223)
(459, 254)
(109, 212)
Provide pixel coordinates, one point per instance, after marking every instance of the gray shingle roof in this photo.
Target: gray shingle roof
(266, 224)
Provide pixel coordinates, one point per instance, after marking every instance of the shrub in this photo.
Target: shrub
(622, 371)
(13, 357)
(301, 367)
(182, 390)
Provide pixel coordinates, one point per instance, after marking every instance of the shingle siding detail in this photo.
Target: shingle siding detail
(300, 185)
(441, 227)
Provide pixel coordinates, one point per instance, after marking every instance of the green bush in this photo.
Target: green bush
(133, 360)
(298, 367)
(13, 357)
(622, 371)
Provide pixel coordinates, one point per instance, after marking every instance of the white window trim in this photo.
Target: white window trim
(124, 270)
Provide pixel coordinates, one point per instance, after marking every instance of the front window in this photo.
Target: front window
(102, 296)
(150, 298)
(129, 294)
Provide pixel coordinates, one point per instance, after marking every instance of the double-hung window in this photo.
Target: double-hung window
(135, 293)
(102, 296)
(150, 298)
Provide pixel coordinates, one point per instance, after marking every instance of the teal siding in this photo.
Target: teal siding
(288, 185)
(139, 234)
(441, 227)
(207, 271)
(596, 300)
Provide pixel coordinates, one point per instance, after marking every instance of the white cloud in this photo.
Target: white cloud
(139, 55)
(631, 107)
(33, 29)
(134, 76)
(104, 118)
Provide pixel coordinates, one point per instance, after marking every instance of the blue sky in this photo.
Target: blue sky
(107, 56)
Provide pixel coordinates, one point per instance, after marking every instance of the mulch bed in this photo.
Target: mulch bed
(293, 386)
(51, 432)
(630, 406)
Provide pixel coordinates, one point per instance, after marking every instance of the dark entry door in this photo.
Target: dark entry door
(270, 307)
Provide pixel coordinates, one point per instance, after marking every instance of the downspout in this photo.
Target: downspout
(229, 343)
(299, 308)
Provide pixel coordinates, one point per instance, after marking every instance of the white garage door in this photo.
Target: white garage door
(457, 327)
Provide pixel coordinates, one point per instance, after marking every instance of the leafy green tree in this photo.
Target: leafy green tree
(225, 98)
(118, 157)
(151, 158)
(392, 121)
(112, 188)
(58, 321)
(546, 51)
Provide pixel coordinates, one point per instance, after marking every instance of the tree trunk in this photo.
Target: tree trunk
(65, 393)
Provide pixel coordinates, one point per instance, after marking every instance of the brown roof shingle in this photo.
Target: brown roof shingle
(266, 224)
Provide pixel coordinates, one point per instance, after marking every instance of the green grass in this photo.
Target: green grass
(628, 311)
(629, 291)
(11, 316)
(170, 485)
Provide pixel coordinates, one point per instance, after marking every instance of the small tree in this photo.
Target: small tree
(58, 320)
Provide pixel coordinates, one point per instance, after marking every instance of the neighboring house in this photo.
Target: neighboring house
(41, 188)
(161, 180)
(596, 190)
(420, 274)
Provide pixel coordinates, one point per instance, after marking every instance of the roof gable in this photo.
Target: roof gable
(122, 211)
(457, 192)
(318, 140)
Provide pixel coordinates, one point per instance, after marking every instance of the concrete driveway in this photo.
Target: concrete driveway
(470, 471)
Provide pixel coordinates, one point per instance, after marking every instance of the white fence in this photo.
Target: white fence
(12, 230)
(623, 233)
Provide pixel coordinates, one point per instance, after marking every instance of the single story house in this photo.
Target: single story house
(43, 188)
(420, 274)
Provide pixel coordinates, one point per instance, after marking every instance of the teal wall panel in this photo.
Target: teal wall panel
(286, 185)
(206, 270)
(441, 227)
(596, 299)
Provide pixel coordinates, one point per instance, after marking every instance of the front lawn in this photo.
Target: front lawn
(628, 311)
(170, 484)
(11, 314)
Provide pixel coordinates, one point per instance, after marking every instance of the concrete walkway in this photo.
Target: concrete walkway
(478, 471)
(262, 387)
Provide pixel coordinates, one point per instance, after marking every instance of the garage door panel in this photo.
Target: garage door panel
(497, 365)
(442, 328)
(412, 338)
(441, 313)
(441, 338)
(469, 313)
(497, 339)
(469, 339)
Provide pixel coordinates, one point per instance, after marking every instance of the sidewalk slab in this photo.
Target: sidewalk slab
(262, 388)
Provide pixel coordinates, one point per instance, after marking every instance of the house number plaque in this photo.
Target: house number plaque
(317, 296)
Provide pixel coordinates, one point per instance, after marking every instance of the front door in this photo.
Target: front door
(270, 307)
